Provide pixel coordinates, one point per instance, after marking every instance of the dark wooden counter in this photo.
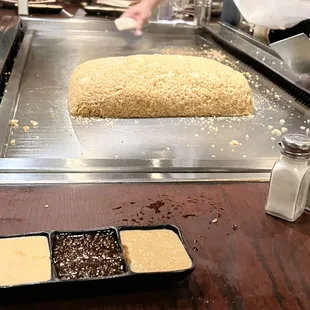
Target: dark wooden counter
(263, 263)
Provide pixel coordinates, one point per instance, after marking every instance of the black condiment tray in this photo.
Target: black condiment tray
(98, 285)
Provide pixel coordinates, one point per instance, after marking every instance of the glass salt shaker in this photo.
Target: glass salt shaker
(289, 180)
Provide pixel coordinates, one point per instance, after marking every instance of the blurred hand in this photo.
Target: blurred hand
(141, 12)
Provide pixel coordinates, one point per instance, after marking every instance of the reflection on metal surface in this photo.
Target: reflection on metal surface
(11, 35)
(249, 37)
(89, 26)
(30, 165)
(42, 97)
(89, 178)
(64, 149)
(9, 29)
(9, 101)
(295, 51)
(262, 56)
(156, 163)
(157, 176)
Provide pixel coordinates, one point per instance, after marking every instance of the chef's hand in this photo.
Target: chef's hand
(141, 12)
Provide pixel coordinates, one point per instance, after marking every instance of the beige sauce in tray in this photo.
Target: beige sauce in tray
(154, 250)
(24, 260)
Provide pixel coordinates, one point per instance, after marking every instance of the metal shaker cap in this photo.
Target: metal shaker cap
(295, 145)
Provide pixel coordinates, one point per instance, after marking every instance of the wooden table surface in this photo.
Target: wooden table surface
(246, 260)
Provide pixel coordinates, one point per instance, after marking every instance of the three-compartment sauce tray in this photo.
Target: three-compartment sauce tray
(105, 258)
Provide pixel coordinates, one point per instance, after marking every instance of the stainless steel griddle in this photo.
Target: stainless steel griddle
(66, 149)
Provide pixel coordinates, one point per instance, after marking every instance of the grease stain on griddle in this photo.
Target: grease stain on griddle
(195, 249)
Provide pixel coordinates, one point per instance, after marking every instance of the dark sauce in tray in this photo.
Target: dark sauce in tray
(87, 255)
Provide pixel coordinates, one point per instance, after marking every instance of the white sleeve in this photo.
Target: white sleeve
(274, 14)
